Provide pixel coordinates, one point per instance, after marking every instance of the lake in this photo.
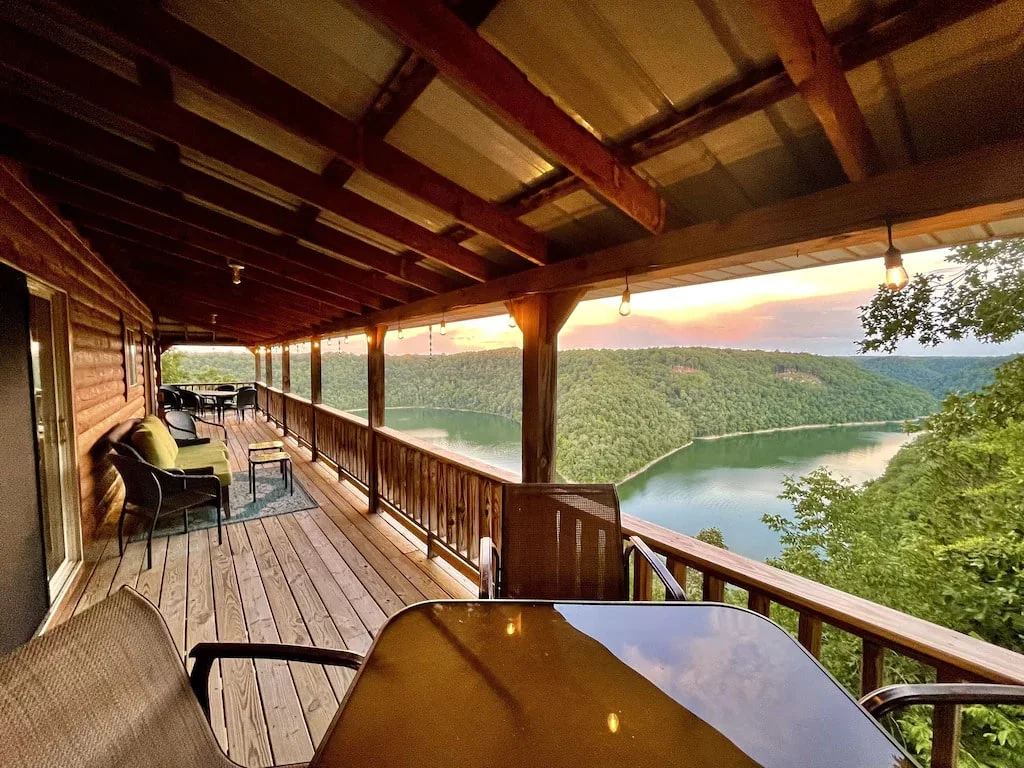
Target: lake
(728, 483)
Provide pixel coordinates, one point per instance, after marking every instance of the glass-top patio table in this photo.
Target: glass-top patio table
(503, 683)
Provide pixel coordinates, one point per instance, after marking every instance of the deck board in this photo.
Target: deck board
(328, 577)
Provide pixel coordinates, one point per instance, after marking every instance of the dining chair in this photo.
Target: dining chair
(564, 542)
(245, 401)
(107, 689)
(190, 401)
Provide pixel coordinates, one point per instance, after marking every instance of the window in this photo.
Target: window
(131, 359)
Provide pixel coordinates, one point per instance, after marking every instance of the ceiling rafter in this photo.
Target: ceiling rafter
(150, 30)
(814, 67)
(475, 66)
(88, 199)
(25, 52)
(84, 138)
(880, 32)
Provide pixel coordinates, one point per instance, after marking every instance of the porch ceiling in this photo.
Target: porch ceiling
(373, 160)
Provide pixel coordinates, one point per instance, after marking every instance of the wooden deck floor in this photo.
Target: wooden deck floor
(327, 577)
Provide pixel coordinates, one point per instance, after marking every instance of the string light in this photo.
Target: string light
(236, 272)
(896, 276)
(346, 339)
(316, 345)
(511, 321)
(213, 319)
(444, 330)
(401, 333)
(624, 308)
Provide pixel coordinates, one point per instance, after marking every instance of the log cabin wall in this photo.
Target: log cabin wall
(35, 239)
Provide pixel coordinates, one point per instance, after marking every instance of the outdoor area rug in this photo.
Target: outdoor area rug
(272, 498)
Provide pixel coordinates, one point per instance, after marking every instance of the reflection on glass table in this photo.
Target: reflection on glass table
(594, 684)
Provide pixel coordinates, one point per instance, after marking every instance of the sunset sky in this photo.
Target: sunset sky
(809, 310)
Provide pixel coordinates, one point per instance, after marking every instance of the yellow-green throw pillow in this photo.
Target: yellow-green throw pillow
(154, 443)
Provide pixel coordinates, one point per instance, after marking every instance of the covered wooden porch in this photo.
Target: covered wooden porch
(328, 577)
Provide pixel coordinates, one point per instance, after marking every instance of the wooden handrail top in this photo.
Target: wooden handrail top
(900, 631)
(496, 474)
(297, 398)
(358, 421)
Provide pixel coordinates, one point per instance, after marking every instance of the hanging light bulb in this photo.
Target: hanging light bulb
(346, 339)
(316, 345)
(624, 308)
(511, 320)
(213, 319)
(236, 272)
(896, 276)
(401, 333)
(444, 331)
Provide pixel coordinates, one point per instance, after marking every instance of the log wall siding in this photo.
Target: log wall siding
(37, 241)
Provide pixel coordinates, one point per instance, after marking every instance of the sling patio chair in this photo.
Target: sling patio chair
(564, 542)
(107, 689)
(246, 401)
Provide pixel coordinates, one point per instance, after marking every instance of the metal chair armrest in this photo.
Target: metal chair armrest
(205, 654)
(221, 427)
(883, 701)
(184, 442)
(488, 569)
(673, 592)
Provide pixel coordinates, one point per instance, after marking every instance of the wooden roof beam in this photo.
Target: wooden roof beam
(104, 233)
(815, 69)
(84, 138)
(81, 198)
(984, 185)
(464, 57)
(149, 30)
(41, 60)
(230, 237)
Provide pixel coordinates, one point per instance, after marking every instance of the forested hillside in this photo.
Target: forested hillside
(617, 409)
(938, 375)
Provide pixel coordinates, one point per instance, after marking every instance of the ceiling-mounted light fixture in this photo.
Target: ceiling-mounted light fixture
(213, 319)
(624, 308)
(236, 272)
(896, 276)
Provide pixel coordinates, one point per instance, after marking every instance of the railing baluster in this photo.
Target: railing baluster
(714, 588)
(643, 588)
(678, 570)
(759, 602)
(945, 727)
(872, 667)
(809, 634)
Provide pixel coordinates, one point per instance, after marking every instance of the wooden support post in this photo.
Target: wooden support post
(259, 363)
(809, 634)
(315, 390)
(159, 348)
(872, 667)
(540, 317)
(375, 406)
(945, 727)
(286, 386)
(269, 360)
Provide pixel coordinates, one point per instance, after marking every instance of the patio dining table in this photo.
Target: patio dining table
(220, 397)
(455, 683)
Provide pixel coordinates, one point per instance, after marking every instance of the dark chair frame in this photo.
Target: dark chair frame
(191, 437)
(151, 491)
(886, 700)
(205, 654)
(241, 407)
(492, 584)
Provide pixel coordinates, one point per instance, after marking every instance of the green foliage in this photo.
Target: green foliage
(180, 366)
(618, 410)
(983, 299)
(937, 375)
(939, 536)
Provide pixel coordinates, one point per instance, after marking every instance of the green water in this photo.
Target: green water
(729, 483)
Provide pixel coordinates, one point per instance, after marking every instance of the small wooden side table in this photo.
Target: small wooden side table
(281, 458)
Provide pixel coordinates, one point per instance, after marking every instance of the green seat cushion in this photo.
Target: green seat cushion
(154, 443)
(210, 455)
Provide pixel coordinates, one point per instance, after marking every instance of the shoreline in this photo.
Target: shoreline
(651, 463)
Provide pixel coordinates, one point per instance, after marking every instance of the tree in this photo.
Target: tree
(982, 298)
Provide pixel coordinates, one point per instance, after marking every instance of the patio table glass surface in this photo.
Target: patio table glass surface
(593, 684)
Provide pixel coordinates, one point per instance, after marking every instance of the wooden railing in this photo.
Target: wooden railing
(344, 440)
(196, 385)
(451, 500)
(275, 405)
(298, 417)
(954, 656)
